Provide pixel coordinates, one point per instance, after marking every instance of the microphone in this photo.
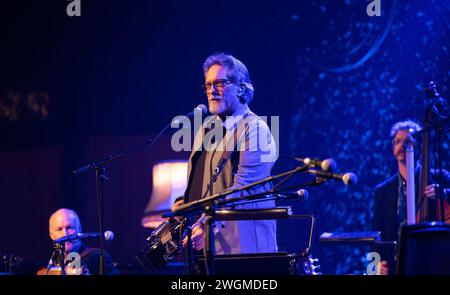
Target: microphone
(109, 236)
(348, 178)
(200, 108)
(301, 194)
(326, 165)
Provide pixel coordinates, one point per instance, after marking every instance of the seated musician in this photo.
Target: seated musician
(65, 222)
(390, 196)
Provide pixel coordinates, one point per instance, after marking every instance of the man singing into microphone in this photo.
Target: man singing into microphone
(229, 92)
(65, 222)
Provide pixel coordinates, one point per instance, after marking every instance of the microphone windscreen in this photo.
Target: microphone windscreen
(109, 235)
(202, 108)
(349, 178)
(303, 194)
(328, 165)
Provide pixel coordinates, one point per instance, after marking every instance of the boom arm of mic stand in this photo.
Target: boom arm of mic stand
(255, 198)
(197, 206)
(101, 177)
(118, 156)
(207, 206)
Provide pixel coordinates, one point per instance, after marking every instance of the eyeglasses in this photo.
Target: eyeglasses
(403, 142)
(218, 84)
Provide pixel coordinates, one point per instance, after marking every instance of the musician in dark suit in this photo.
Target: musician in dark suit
(390, 196)
(65, 222)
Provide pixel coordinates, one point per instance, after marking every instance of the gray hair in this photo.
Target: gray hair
(407, 125)
(238, 70)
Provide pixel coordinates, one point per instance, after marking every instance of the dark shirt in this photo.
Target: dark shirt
(197, 177)
(401, 202)
(194, 190)
(390, 203)
(90, 257)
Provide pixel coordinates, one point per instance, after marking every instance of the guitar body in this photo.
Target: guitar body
(53, 271)
(56, 271)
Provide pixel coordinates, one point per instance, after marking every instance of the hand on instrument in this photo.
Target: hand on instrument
(197, 237)
(382, 268)
(431, 191)
(177, 204)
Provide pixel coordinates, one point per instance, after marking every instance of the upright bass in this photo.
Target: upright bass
(431, 209)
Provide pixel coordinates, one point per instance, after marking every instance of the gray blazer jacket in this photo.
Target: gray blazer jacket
(255, 156)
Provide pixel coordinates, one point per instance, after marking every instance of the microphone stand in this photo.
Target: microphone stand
(189, 249)
(207, 206)
(58, 253)
(209, 211)
(196, 206)
(60, 249)
(101, 177)
(256, 197)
